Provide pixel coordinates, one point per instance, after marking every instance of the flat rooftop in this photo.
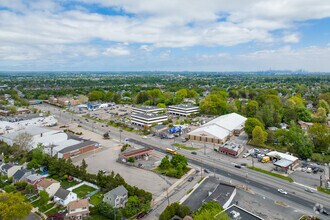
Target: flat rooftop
(240, 213)
(221, 192)
(148, 115)
(232, 146)
(144, 107)
(183, 106)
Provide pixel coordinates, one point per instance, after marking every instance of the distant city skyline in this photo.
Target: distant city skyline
(185, 35)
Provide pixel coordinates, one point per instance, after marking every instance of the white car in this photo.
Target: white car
(144, 137)
(246, 155)
(282, 191)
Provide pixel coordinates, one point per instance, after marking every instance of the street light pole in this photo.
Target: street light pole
(120, 135)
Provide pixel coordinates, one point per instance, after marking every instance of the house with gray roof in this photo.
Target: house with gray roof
(117, 197)
(9, 169)
(63, 197)
(21, 175)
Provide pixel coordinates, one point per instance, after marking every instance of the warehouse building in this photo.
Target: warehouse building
(219, 130)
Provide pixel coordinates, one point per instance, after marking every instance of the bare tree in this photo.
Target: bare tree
(22, 144)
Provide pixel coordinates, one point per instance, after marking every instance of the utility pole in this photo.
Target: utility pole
(252, 161)
(202, 169)
(168, 199)
(120, 135)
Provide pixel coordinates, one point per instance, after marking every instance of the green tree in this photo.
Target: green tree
(44, 197)
(179, 159)
(298, 142)
(95, 95)
(29, 188)
(303, 114)
(323, 104)
(252, 108)
(165, 163)
(12, 109)
(320, 136)
(132, 207)
(22, 144)
(259, 136)
(10, 188)
(108, 96)
(214, 104)
(141, 97)
(13, 206)
(320, 115)
(250, 124)
(175, 209)
(108, 212)
(210, 210)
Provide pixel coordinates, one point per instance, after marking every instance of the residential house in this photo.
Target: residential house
(21, 175)
(49, 185)
(63, 197)
(305, 125)
(117, 197)
(9, 169)
(34, 179)
(78, 209)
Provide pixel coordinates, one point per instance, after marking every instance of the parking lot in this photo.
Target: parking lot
(105, 159)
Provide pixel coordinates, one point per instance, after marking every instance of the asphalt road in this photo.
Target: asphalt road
(291, 196)
(296, 193)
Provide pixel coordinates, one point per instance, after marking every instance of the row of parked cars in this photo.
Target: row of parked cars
(310, 168)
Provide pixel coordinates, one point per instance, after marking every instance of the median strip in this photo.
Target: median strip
(289, 179)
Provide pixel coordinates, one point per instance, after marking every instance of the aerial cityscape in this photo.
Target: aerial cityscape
(169, 110)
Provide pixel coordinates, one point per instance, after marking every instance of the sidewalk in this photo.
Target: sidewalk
(172, 187)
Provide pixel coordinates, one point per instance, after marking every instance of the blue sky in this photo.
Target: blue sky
(176, 35)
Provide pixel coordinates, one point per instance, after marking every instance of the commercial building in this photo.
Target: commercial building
(146, 110)
(210, 190)
(283, 162)
(78, 149)
(235, 212)
(143, 152)
(147, 119)
(231, 149)
(55, 142)
(182, 110)
(219, 130)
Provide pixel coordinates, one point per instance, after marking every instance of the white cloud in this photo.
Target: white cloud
(118, 50)
(44, 28)
(291, 38)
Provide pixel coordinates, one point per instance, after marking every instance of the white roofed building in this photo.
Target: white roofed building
(219, 130)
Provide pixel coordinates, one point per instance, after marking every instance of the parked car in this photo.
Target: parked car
(282, 191)
(194, 153)
(190, 179)
(246, 155)
(238, 166)
(206, 171)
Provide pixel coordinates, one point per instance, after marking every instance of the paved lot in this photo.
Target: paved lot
(106, 160)
(309, 179)
(265, 207)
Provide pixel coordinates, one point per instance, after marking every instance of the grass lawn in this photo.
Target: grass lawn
(272, 174)
(46, 207)
(182, 146)
(171, 172)
(66, 184)
(83, 190)
(54, 210)
(36, 203)
(96, 199)
(97, 217)
(327, 191)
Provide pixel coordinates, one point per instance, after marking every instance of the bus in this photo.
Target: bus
(171, 151)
